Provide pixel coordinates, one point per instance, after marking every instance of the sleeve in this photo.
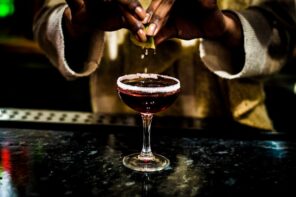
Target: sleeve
(48, 33)
(266, 48)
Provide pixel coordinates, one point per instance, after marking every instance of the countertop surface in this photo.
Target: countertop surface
(47, 161)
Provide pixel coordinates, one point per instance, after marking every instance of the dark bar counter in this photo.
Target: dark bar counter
(43, 153)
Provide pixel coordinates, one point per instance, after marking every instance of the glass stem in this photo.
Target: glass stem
(146, 153)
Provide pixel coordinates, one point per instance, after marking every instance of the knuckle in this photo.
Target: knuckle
(133, 4)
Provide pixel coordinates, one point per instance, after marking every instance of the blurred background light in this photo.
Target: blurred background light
(6, 8)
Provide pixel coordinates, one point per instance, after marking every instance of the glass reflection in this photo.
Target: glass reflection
(146, 185)
(6, 185)
(186, 178)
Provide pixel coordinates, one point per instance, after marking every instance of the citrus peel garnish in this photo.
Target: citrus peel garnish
(149, 44)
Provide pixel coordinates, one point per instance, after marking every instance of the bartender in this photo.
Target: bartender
(220, 56)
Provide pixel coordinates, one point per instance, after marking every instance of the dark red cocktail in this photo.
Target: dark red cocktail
(153, 94)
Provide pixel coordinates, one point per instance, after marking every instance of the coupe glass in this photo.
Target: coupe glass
(147, 93)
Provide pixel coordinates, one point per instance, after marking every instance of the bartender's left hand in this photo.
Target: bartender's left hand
(105, 15)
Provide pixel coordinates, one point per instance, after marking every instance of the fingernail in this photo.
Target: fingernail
(151, 29)
(146, 19)
(142, 35)
(140, 12)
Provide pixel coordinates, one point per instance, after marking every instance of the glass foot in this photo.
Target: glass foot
(157, 163)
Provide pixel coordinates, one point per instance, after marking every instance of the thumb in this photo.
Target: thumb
(164, 34)
(75, 5)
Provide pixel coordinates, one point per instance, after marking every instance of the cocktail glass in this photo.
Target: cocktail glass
(147, 93)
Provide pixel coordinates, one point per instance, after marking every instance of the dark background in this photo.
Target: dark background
(28, 80)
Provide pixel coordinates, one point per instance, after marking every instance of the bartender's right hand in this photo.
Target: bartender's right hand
(193, 19)
(105, 15)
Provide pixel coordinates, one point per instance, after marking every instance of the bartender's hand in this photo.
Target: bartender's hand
(107, 15)
(192, 19)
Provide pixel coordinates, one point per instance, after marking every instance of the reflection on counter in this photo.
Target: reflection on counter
(67, 163)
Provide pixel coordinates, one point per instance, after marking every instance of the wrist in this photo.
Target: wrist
(232, 36)
(232, 39)
(70, 30)
(75, 39)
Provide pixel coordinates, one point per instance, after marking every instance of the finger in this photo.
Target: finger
(153, 6)
(134, 25)
(159, 17)
(75, 5)
(134, 7)
(151, 9)
(164, 34)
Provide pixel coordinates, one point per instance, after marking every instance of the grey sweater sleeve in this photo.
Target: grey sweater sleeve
(48, 33)
(259, 37)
